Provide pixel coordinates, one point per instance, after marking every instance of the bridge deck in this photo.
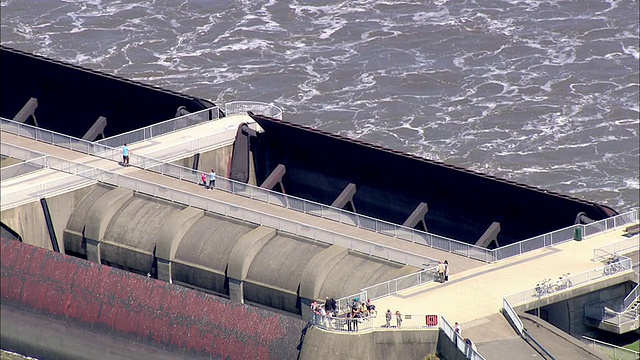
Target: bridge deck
(461, 264)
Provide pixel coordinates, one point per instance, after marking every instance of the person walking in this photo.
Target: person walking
(441, 270)
(446, 270)
(387, 317)
(212, 179)
(125, 155)
(398, 319)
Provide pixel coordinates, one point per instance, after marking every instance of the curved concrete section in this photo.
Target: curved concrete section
(242, 256)
(203, 255)
(275, 274)
(73, 235)
(110, 301)
(315, 274)
(171, 233)
(356, 271)
(374, 345)
(98, 218)
(28, 222)
(131, 237)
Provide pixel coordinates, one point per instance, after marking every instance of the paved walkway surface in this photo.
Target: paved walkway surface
(461, 264)
(478, 292)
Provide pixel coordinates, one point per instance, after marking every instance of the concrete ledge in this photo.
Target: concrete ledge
(577, 290)
(374, 345)
(98, 218)
(171, 233)
(241, 257)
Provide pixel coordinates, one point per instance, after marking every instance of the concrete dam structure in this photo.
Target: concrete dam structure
(142, 261)
(201, 250)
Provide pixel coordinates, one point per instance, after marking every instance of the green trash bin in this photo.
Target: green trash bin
(577, 234)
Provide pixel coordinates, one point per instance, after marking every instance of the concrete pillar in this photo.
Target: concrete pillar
(315, 274)
(171, 233)
(99, 216)
(241, 257)
(490, 235)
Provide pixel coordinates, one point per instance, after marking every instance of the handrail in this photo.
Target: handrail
(527, 335)
(162, 128)
(613, 351)
(455, 338)
(324, 211)
(205, 203)
(513, 316)
(630, 298)
(515, 320)
(22, 168)
(242, 107)
(614, 249)
(366, 324)
(624, 265)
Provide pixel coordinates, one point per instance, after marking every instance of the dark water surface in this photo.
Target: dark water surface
(539, 92)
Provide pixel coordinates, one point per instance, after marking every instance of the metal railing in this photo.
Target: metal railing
(630, 298)
(515, 320)
(386, 288)
(321, 210)
(512, 316)
(23, 168)
(402, 283)
(624, 265)
(610, 223)
(612, 351)
(619, 247)
(236, 211)
(241, 107)
(460, 343)
(368, 324)
(162, 128)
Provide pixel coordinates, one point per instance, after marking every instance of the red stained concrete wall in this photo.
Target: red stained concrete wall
(114, 301)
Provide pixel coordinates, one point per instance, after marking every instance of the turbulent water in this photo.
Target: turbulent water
(543, 92)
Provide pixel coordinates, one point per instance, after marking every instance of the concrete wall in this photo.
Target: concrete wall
(148, 311)
(62, 206)
(28, 221)
(217, 159)
(377, 345)
(568, 315)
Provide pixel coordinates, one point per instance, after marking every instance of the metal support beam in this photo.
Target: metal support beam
(417, 217)
(275, 178)
(29, 109)
(346, 197)
(96, 129)
(491, 234)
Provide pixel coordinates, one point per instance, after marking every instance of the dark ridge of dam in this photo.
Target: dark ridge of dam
(70, 99)
(106, 300)
(462, 204)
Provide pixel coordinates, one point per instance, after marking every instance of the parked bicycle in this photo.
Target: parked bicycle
(613, 266)
(543, 288)
(563, 282)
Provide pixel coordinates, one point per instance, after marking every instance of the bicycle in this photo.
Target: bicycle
(543, 288)
(563, 282)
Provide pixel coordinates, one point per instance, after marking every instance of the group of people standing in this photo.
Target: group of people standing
(443, 271)
(389, 315)
(211, 178)
(328, 315)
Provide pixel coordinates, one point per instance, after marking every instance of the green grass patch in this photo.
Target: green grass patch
(635, 346)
